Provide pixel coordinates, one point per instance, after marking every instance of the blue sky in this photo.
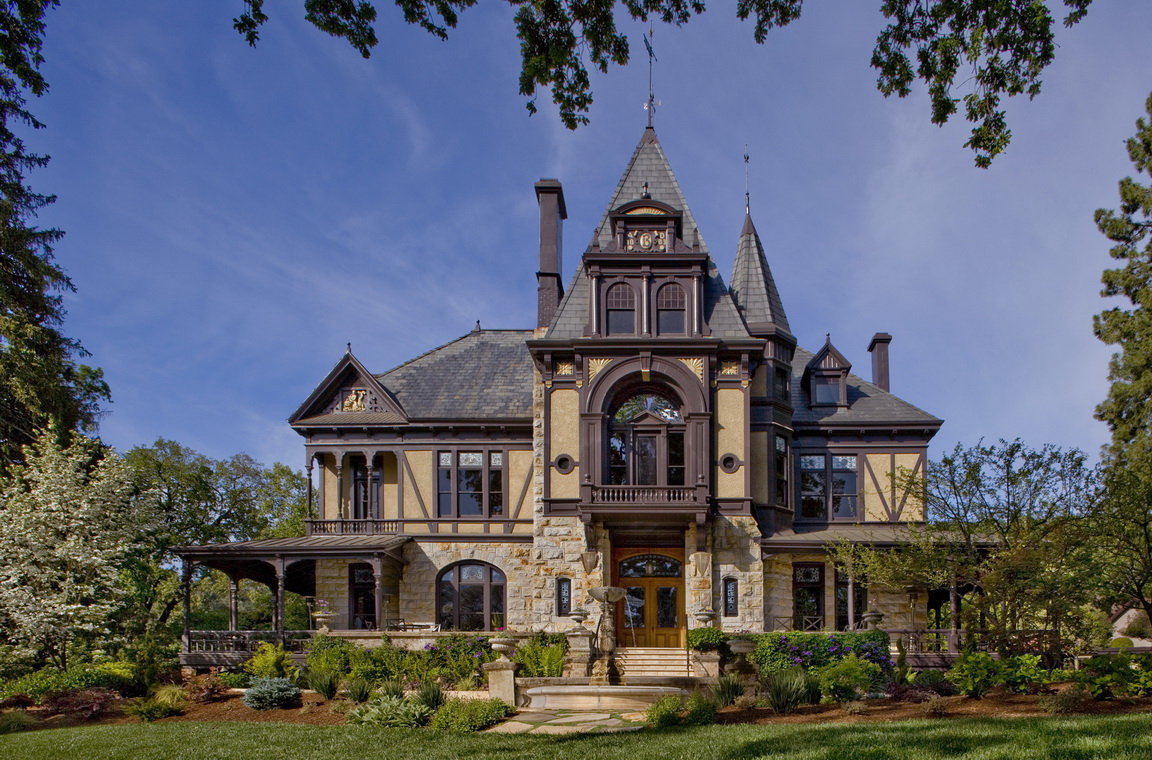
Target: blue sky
(235, 216)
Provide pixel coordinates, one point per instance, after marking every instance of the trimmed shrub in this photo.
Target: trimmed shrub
(729, 687)
(699, 710)
(781, 651)
(271, 661)
(83, 703)
(324, 682)
(148, 710)
(709, 639)
(358, 689)
(665, 712)
(381, 663)
(430, 694)
(785, 690)
(206, 688)
(846, 680)
(390, 712)
(1121, 642)
(113, 675)
(14, 721)
(1066, 701)
(466, 715)
(235, 680)
(974, 673)
(272, 694)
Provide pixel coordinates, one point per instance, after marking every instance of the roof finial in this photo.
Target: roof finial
(644, 192)
(747, 202)
(651, 103)
(349, 346)
(477, 328)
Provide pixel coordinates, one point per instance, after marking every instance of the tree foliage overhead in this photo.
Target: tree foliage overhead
(41, 384)
(1128, 408)
(994, 47)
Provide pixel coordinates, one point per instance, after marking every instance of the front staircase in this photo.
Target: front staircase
(637, 664)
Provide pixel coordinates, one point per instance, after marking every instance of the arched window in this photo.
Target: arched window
(646, 441)
(470, 597)
(620, 302)
(670, 305)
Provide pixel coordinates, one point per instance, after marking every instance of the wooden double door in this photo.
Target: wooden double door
(651, 614)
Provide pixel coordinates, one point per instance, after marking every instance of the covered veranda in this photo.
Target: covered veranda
(285, 565)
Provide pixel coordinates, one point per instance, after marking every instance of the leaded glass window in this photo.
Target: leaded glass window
(563, 597)
(731, 597)
(651, 566)
(470, 484)
(470, 597)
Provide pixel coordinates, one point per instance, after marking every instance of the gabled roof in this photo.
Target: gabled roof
(322, 407)
(828, 357)
(649, 165)
(753, 288)
(868, 404)
(487, 374)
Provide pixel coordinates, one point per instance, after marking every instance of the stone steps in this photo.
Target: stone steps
(652, 662)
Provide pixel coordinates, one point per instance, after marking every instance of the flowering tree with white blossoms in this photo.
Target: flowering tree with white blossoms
(67, 519)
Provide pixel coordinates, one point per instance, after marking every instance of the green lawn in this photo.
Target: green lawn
(1115, 738)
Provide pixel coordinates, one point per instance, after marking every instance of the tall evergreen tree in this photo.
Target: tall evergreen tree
(1128, 408)
(41, 384)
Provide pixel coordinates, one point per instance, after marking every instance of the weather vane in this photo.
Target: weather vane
(651, 103)
(747, 201)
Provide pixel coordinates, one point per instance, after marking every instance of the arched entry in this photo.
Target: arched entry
(652, 611)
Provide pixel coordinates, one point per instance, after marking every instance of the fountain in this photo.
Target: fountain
(603, 691)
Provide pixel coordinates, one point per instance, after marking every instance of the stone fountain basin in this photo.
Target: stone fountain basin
(596, 698)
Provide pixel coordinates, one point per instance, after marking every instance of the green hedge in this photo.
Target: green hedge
(112, 675)
(780, 651)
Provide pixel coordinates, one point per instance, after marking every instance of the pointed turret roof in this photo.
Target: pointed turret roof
(753, 288)
(649, 172)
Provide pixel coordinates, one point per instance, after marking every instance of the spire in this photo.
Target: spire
(648, 175)
(753, 288)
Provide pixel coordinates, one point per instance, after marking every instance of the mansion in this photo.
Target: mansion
(657, 430)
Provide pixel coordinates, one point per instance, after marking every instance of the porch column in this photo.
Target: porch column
(377, 576)
(340, 486)
(186, 594)
(851, 601)
(278, 599)
(308, 469)
(954, 622)
(370, 511)
(233, 593)
(321, 499)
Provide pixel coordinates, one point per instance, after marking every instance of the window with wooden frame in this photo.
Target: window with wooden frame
(781, 462)
(470, 597)
(671, 306)
(470, 484)
(828, 487)
(646, 442)
(365, 494)
(808, 596)
(620, 305)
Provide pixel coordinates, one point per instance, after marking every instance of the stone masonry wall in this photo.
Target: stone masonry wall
(736, 554)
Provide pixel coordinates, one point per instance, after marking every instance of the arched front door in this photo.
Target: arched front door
(652, 611)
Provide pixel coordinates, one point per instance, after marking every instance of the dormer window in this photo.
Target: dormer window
(620, 301)
(826, 389)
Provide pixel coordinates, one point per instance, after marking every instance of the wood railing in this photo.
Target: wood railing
(245, 641)
(351, 527)
(944, 640)
(643, 495)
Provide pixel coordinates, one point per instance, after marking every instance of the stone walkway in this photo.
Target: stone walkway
(569, 722)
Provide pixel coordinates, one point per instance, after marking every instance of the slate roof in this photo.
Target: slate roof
(867, 404)
(320, 544)
(487, 374)
(649, 164)
(753, 287)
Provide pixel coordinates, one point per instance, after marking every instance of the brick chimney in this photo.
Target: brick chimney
(549, 288)
(879, 350)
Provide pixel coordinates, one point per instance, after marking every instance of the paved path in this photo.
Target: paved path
(569, 722)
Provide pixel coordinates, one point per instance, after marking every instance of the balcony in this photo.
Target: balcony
(351, 527)
(644, 496)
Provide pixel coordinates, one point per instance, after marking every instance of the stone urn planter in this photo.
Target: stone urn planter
(322, 620)
(504, 646)
(704, 617)
(741, 647)
(578, 615)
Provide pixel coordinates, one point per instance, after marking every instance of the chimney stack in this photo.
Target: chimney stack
(879, 350)
(549, 289)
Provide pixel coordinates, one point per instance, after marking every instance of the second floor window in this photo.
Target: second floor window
(620, 303)
(828, 488)
(646, 443)
(365, 493)
(470, 484)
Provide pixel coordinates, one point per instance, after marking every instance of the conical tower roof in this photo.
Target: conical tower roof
(648, 174)
(753, 288)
